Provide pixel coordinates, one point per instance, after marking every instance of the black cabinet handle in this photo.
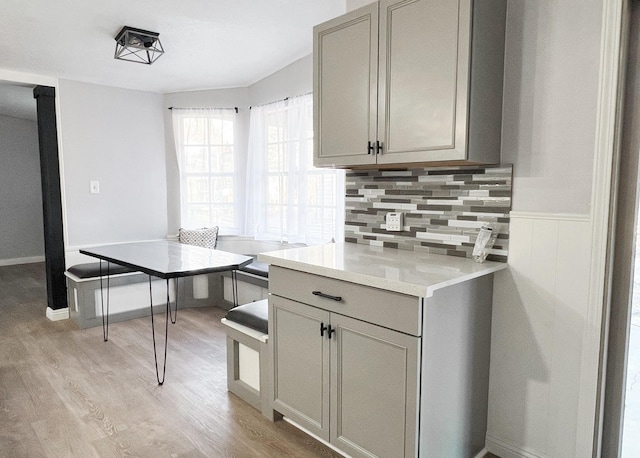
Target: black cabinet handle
(322, 329)
(378, 147)
(327, 296)
(331, 331)
(370, 147)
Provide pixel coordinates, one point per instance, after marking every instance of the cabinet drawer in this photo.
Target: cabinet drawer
(385, 308)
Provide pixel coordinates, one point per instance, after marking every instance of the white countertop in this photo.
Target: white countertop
(402, 271)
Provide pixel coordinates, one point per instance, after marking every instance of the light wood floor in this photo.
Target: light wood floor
(66, 393)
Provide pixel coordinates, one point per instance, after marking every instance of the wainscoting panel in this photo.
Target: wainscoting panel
(539, 310)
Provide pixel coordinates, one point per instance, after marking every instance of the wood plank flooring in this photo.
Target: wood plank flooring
(66, 393)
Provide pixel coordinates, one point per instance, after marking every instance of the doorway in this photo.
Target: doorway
(621, 407)
(51, 201)
(631, 417)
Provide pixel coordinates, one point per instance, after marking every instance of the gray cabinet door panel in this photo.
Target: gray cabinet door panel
(345, 80)
(374, 389)
(423, 80)
(301, 364)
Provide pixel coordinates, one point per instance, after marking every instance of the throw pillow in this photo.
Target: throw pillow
(205, 237)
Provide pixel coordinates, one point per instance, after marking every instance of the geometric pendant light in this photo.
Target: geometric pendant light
(137, 45)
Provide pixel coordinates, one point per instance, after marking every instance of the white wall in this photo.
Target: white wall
(21, 225)
(539, 398)
(115, 136)
(292, 80)
(550, 96)
(295, 79)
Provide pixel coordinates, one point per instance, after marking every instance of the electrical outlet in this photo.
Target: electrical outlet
(394, 221)
(94, 186)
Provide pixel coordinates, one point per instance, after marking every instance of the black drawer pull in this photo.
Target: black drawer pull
(323, 328)
(331, 331)
(327, 296)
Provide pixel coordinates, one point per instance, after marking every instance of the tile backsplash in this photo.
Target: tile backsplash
(443, 208)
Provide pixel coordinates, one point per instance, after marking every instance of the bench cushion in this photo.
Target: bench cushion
(254, 315)
(257, 268)
(92, 269)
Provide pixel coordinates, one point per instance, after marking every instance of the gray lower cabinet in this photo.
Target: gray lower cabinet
(344, 379)
(379, 373)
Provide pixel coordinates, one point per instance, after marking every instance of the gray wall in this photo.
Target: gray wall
(21, 226)
(295, 79)
(115, 136)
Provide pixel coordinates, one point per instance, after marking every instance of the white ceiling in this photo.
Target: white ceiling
(209, 44)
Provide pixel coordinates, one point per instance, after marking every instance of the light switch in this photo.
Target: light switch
(95, 187)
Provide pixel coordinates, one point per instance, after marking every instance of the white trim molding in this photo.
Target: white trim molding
(587, 436)
(58, 314)
(505, 449)
(16, 261)
(29, 78)
(551, 216)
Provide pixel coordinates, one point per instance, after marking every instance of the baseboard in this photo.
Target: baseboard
(507, 449)
(58, 314)
(16, 261)
(482, 453)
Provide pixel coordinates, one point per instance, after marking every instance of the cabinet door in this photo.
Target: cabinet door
(301, 363)
(345, 88)
(423, 80)
(374, 389)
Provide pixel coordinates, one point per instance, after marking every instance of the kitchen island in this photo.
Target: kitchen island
(379, 351)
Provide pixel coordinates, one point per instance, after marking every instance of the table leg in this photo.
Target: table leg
(234, 287)
(173, 317)
(105, 317)
(166, 335)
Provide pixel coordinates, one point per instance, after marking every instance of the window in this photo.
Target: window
(208, 175)
(288, 199)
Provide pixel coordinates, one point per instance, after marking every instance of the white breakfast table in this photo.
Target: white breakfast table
(166, 260)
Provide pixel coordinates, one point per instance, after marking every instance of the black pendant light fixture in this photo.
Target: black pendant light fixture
(137, 45)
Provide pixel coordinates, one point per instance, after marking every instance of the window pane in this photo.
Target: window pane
(222, 159)
(199, 215)
(274, 191)
(195, 159)
(222, 215)
(197, 190)
(222, 189)
(275, 216)
(195, 130)
(227, 132)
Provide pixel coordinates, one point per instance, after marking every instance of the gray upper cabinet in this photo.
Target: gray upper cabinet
(411, 81)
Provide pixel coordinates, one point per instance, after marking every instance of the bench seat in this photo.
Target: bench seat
(254, 315)
(93, 269)
(258, 268)
(247, 355)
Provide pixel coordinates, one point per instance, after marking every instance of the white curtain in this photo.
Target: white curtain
(287, 198)
(209, 188)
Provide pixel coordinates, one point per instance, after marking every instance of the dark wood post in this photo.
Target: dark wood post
(51, 197)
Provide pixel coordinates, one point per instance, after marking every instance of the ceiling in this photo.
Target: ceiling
(209, 44)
